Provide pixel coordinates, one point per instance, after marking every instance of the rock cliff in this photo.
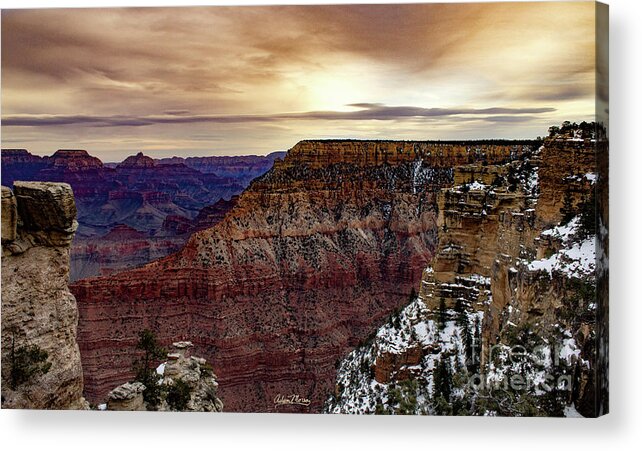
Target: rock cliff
(40, 358)
(161, 199)
(505, 320)
(243, 169)
(312, 258)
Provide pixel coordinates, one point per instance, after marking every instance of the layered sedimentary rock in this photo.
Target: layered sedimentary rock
(119, 249)
(40, 358)
(509, 296)
(243, 168)
(313, 256)
(165, 201)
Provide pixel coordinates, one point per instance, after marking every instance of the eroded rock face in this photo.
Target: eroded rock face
(180, 367)
(128, 396)
(47, 209)
(9, 215)
(197, 374)
(37, 308)
(515, 271)
(530, 273)
(164, 201)
(309, 261)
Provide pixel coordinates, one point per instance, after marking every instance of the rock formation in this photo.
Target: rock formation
(515, 269)
(196, 373)
(181, 367)
(314, 255)
(164, 200)
(243, 169)
(128, 396)
(40, 358)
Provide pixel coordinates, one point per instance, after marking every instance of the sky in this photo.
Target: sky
(252, 80)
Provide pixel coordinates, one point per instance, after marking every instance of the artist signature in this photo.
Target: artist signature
(281, 400)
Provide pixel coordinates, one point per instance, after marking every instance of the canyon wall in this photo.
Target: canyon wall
(242, 168)
(313, 256)
(515, 269)
(41, 366)
(159, 202)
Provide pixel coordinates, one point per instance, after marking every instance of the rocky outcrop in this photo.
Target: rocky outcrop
(514, 273)
(567, 173)
(40, 357)
(196, 374)
(166, 202)
(9, 216)
(128, 397)
(199, 385)
(313, 256)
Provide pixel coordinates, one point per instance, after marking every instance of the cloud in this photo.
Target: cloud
(365, 112)
(263, 76)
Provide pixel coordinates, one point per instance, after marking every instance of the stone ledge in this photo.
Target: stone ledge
(37, 214)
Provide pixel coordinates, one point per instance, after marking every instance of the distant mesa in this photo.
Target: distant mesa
(70, 153)
(75, 159)
(15, 153)
(137, 161)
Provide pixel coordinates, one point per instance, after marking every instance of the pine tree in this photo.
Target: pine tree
(588, 218)
(442, 315)
(442, 379)
(145, 368)
(477, 339)
(567, 210)
(462, 322)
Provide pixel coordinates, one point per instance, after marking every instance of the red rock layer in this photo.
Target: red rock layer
(164, 201)
(309, 261)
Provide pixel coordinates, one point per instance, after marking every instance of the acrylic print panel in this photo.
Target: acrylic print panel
(360, 209)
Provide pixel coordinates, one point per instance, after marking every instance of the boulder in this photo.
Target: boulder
(128, 396)
(46, 206)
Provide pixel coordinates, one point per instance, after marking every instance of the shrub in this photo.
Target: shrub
(179, 395)
(26, 363)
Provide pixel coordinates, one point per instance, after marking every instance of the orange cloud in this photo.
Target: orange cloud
(246, 76)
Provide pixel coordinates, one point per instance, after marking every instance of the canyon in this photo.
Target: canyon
(510, 295)
(140, 209)
(311, 258)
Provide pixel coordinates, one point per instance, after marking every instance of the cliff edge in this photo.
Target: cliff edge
(40, 358)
